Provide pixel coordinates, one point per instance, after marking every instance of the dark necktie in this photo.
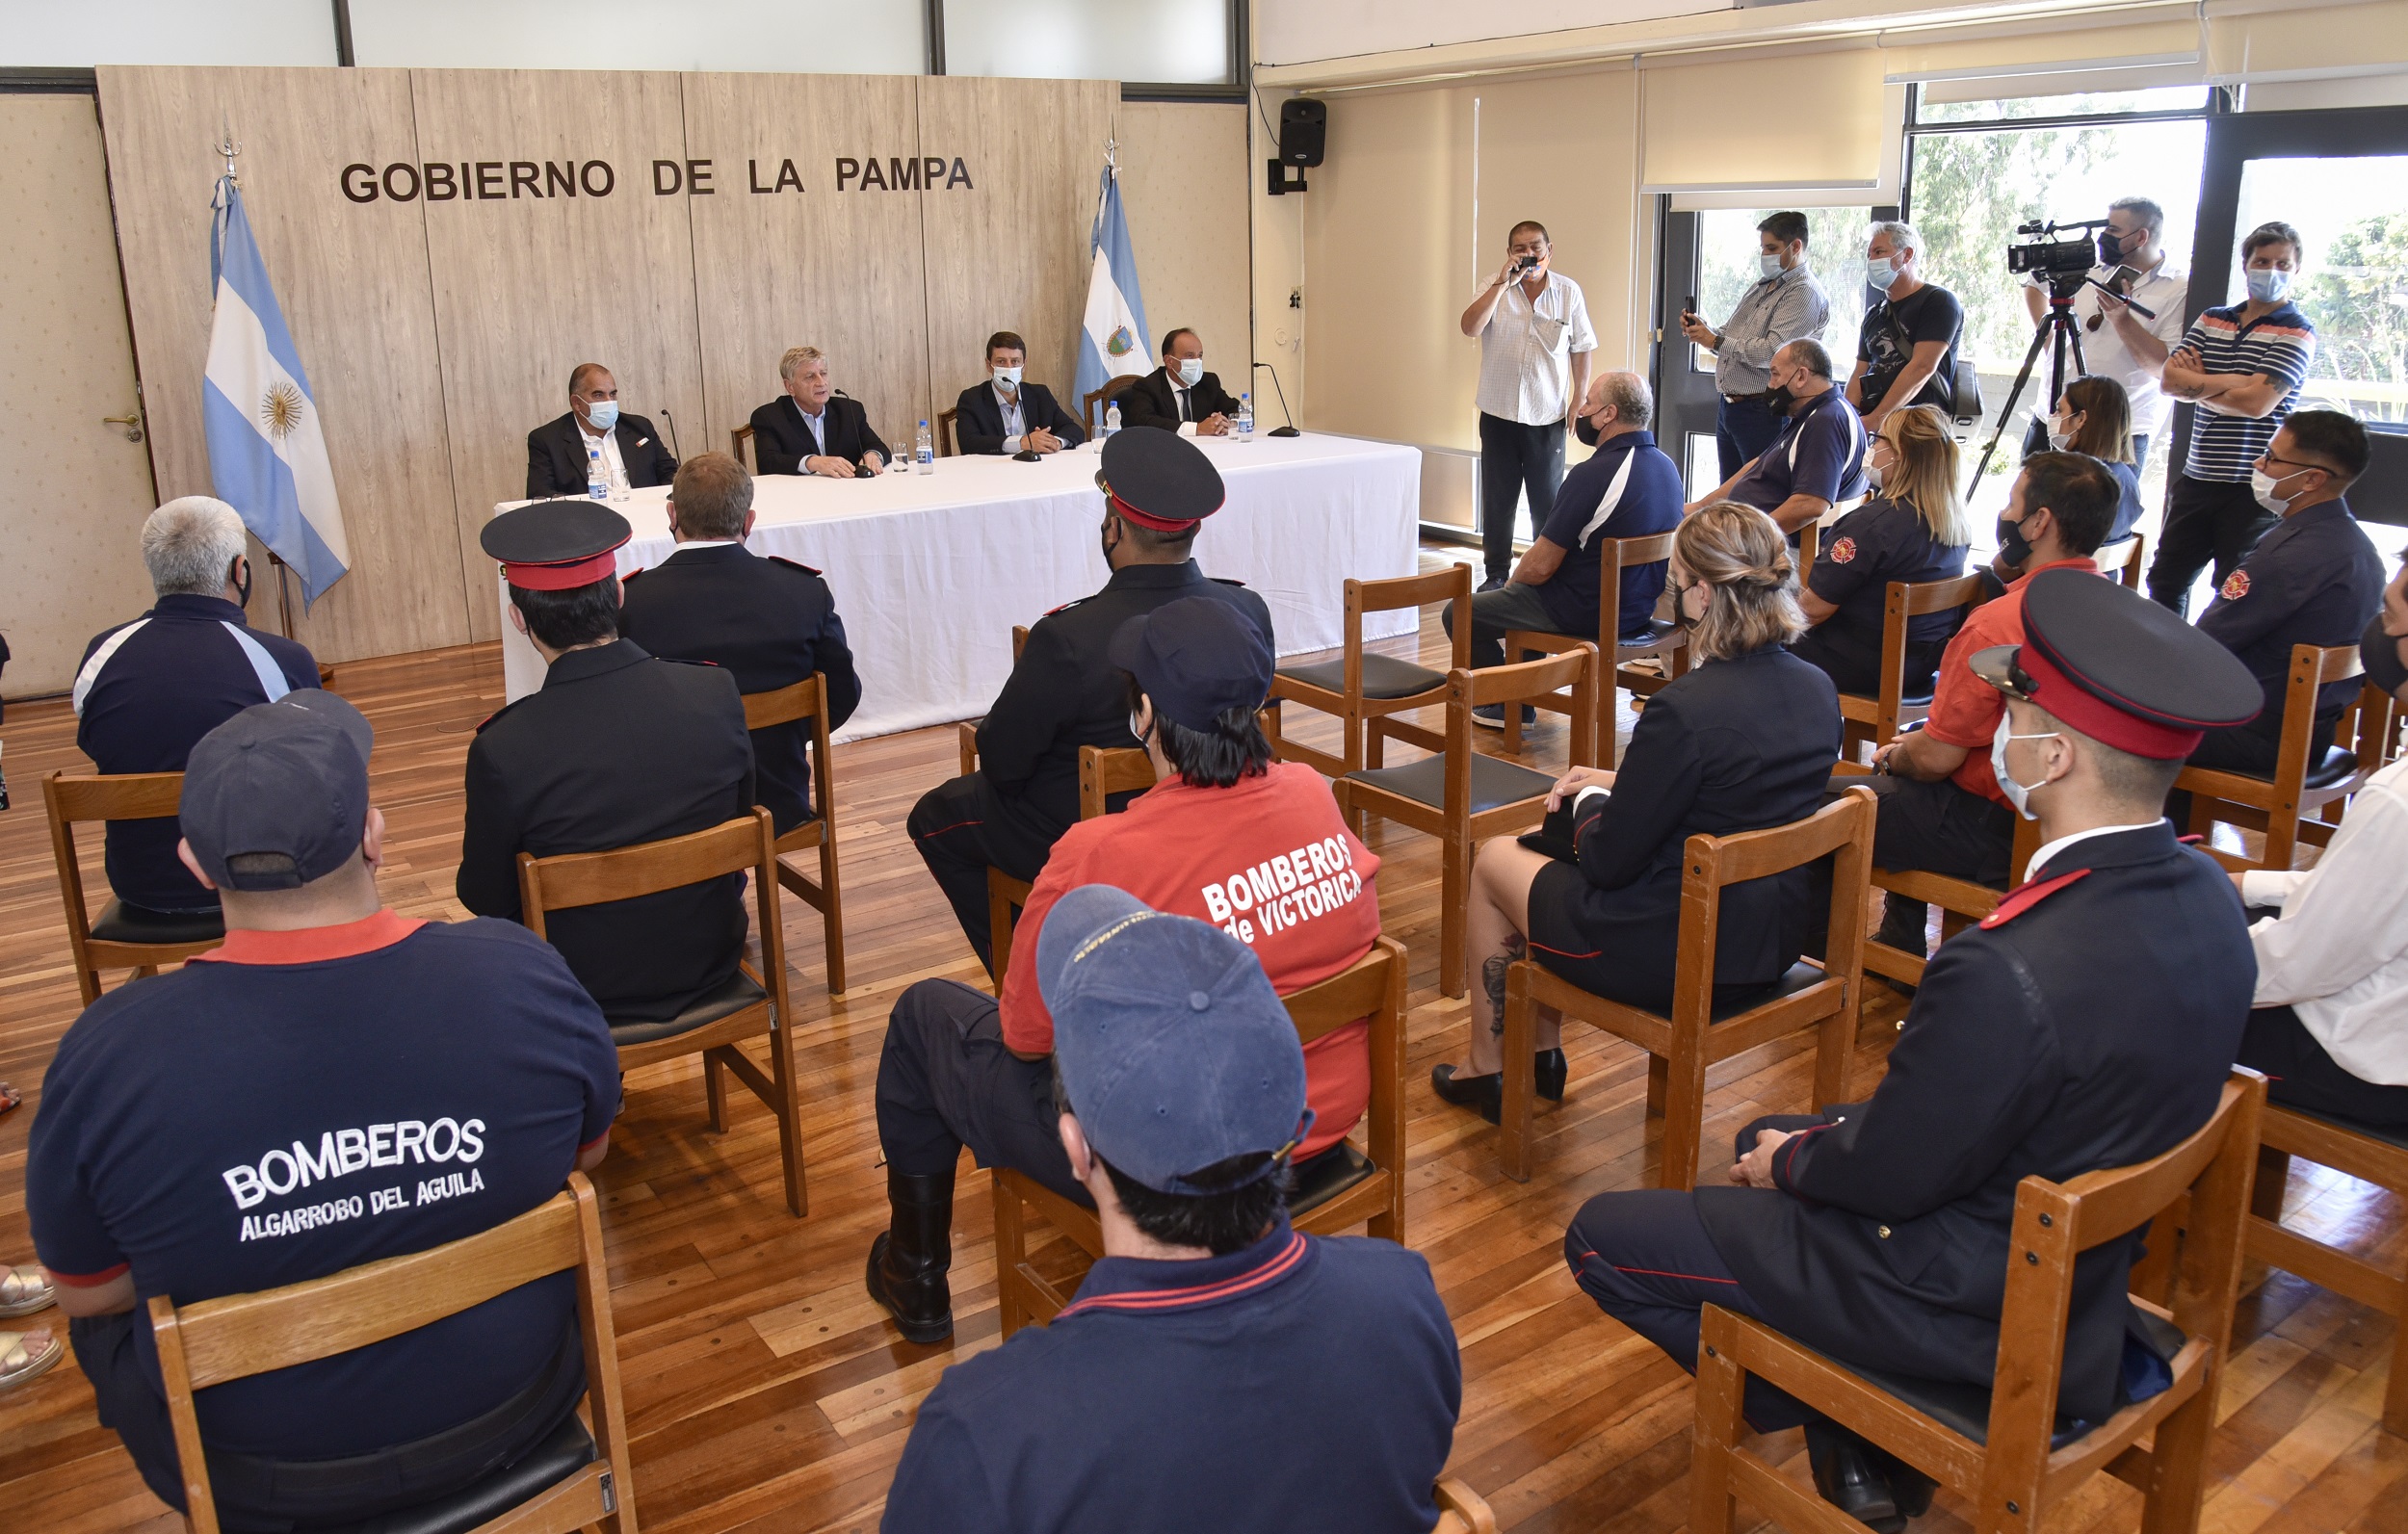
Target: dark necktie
(1187, 411)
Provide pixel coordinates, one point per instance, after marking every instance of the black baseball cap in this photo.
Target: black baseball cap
(1158, 480)
(288, 779)
(1196, 658)
(1174, 1052)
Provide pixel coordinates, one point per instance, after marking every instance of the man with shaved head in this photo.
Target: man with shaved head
(1627, 489)
(564, 454)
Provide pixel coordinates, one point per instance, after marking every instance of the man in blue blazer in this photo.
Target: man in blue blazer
(1004, 415)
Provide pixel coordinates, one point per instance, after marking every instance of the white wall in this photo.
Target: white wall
(1299, 31)
(68, 35)
(803, 37)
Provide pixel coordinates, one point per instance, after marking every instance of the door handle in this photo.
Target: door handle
(133, 425)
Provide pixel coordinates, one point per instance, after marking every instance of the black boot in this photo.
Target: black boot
(907, 1264)
(1550, 1069)
(1486, 1093)
(1848, 1479)
(1903, 927)
(1910, 1489)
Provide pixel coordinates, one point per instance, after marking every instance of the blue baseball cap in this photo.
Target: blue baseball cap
(1174, 1052)
(1196, 658)
(287, 780)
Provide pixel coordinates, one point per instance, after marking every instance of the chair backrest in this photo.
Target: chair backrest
(785, 705)
(238, 1335)
(2380, 717)
(1613, 556)
(945, 418)
(1372, 989)
(1842, 830)
(2057, 1222)
(740, 445)
(1091, 402)
(2129, 568)
(1019, 640)
(1809, 544)
(1453, 584)
(744, 844)
(2311, 669)
(121, 797)
(1461, 1509)
(1577, 669)
(1105, 771)
(1919, 597)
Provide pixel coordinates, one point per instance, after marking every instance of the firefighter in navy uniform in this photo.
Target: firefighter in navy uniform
(615, 749)
(1063, 691)
(2088, 1022)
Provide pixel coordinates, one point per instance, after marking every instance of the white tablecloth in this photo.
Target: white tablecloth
(930, 571)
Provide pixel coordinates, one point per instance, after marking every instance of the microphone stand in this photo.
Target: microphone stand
(672, 433)
(1288, 430)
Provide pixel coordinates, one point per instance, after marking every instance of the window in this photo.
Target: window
(2094, 103)
(1727, 244)
(2353, 287)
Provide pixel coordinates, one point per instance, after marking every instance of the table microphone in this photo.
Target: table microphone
(672, 432)
(1288, 430)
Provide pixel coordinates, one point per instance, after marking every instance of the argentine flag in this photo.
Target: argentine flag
(266, 456)
(1114, 344)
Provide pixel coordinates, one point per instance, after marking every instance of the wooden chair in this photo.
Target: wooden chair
(1365, 689)
(1103, 772)
(740, 445)
(1461, 1509)
(1878, 719)
(2134, 563)
(1343, 1189)
(1962, 902)
(1701, 1028)
(2280, 806)
(1664, 642)
(2363, 1150)
(1092, 404)
(114, 939)
(746, 1007)
(573, 1480)
(1462, 795)
(2005, 1451)
(945, 418)
(969, 728)
(807, 699)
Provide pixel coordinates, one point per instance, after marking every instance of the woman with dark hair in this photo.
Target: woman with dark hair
(1913, 530)
(1743, 742)
(2095, 416)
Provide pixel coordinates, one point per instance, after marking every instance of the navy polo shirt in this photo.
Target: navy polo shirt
(1303, 1383)
(295, 1104)
(1820, 452)
(145, 693)
(2315, 579)
(1881, 541)
(1626, 489)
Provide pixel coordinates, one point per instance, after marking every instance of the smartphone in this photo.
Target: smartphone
(1689, 307)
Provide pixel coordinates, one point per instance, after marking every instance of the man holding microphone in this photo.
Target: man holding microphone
(1535, 341)
(1785, 304)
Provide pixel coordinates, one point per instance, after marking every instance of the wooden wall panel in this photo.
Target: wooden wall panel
(1012, 253)
(354, 283)
(840, 270)
(528, 287)
(1183, 182)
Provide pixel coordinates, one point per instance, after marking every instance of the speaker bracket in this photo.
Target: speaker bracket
(1280, 186)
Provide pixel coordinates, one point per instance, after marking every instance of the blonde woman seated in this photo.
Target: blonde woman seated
(1743, 742)
(1912, 530)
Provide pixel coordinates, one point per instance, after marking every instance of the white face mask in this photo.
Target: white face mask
(1192, 372)
(1769, 263)
(1008, 378)
(1881, 271)
(2267, 285)
(2261, 484)
(1875, 473)
(2019, 794)
(1137, 727)
(2059, 435)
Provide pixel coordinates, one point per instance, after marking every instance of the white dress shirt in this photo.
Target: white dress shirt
(817, 424)
(2338, 955)
(1526, 352)
(614, 468)
(2103, 351)
(2050, 849)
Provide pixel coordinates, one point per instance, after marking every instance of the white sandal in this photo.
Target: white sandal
(23, 1290)
(26, 1355)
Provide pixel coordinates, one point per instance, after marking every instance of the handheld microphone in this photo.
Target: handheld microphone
(1288, 430)
(672, 433)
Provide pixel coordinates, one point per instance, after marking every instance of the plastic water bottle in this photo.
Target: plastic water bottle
(1112, 422)
(1245, 418)
(925, 448)
(597, 478)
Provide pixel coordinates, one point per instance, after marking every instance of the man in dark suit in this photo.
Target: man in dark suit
(1004, 415)
(2087, 1024)
(1063, 691)
(560, 454)
(1179, 396)
(768, 622)
(814, 430)
(618, 748)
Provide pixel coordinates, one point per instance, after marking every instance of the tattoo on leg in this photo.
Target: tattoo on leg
(1492, 980)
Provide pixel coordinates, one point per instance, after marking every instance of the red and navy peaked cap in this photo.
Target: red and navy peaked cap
(1158, 480)
(555, 545)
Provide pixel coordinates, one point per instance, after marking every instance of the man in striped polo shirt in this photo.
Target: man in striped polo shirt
(2242, 367)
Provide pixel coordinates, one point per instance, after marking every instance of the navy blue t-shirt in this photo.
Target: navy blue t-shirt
(145, 693)
(299, 1102)
(1818, 451)
(1303, 1383)
(1881, 541)
(2314, 579)
(1626, 489)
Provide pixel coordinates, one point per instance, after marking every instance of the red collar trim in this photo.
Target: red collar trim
(1281, 1264)
(2024, 896)
(313, 945)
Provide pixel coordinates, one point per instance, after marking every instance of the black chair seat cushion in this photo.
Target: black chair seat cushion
(1327, 1175)
(1731, 1000)
(1966, 1408)
(569, 1450)
(1384, 676)
(1495, 781)
(2335, 768)
(1659, 630)
(731, 996)
(122, 923)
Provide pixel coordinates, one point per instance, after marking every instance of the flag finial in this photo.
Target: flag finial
(227, 148)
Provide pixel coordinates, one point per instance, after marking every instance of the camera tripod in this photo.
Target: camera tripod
(2057, 330)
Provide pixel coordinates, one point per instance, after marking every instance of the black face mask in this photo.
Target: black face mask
(242, 586)
(1779, 400)
(1585, 429)
(2380, 653)
(2013, 547)
(2110, 249)
(1104, 537)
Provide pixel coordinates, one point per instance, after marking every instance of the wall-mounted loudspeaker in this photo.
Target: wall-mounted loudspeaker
(1304, 125)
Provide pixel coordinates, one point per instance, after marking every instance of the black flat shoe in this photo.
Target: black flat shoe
(1846, 1475)
(1551, 1069)
(1485, 1093)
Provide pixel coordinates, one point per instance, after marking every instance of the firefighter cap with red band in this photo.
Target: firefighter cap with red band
(1158, 480)
(2121, 669)
(555, 545)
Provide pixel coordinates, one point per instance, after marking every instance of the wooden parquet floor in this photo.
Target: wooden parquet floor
(765, 1391)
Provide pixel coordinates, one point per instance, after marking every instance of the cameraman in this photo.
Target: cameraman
(1785, 304)
(2116, 343)
(1906, 353)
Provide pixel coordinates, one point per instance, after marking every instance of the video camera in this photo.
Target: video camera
(2057, 260)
